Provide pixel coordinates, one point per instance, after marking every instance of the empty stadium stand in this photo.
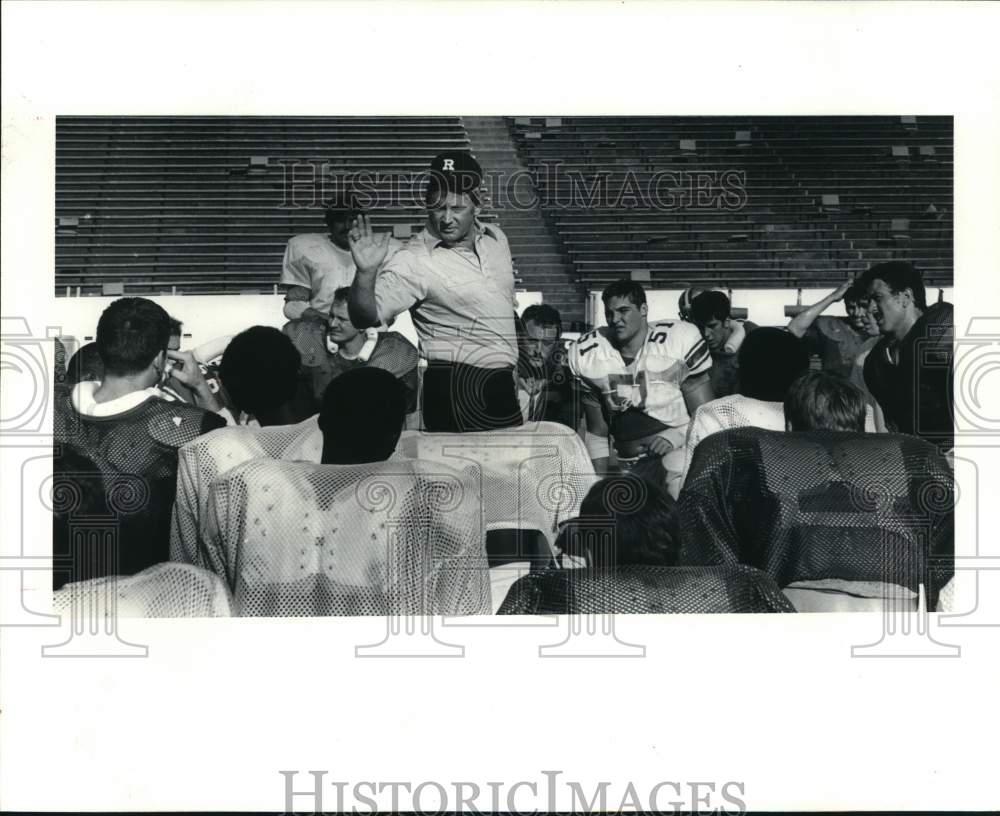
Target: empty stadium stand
(782, 202)
(205, 205)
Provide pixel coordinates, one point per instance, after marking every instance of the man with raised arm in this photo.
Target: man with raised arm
(837, 341)
(456, 278)
(642, 382)
(315, 266)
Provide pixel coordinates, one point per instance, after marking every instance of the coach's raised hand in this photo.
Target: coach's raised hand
(367, 248)
(368, 251)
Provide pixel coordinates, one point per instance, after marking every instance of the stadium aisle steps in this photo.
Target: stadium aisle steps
(541, 263)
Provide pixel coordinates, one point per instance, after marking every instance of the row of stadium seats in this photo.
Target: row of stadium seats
(823, 196)
(206, 204)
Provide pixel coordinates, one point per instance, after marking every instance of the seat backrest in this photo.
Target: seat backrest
(396, 537)
(737, 411)
(831, 595)
(167, 590)
(531, 477)
(211, 455)
(640, 589)
(822, 504)
(734, 411)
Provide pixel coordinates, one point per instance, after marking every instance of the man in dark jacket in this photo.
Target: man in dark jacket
(909, 372)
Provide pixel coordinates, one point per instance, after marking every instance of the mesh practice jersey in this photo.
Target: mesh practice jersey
(673, 351)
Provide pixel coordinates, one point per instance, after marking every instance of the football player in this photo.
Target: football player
(641, 383)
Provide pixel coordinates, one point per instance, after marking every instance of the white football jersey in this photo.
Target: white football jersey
(674, 351)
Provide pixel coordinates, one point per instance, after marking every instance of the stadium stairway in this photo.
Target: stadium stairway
(539, 258)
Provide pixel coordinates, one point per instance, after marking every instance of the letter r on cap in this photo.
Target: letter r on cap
(449, 164)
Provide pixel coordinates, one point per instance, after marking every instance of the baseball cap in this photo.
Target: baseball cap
(455, 171)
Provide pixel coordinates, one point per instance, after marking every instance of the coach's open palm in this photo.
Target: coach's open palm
(367, 248)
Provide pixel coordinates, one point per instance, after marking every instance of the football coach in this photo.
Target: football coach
(456, 278)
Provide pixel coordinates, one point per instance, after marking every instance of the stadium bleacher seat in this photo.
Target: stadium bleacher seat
(817, 190)
(206, 204)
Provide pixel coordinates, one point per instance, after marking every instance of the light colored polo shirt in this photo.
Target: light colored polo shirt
(315, 262)
(461, 302)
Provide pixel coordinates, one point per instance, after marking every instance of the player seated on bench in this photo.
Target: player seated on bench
(348, 347)
(710, 312)
(641, 382)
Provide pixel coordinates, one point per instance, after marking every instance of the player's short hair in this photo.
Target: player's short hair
(260, 369)
(543, 315)
(819, 400)
(645, 520)
(362, 416)
(341, 294)
(342, 207)
(176, 327)
(898, 275)
(857, 292)
(624, 288)
(85, 365)
(710, 306)
(770, 360)
(130, 333)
